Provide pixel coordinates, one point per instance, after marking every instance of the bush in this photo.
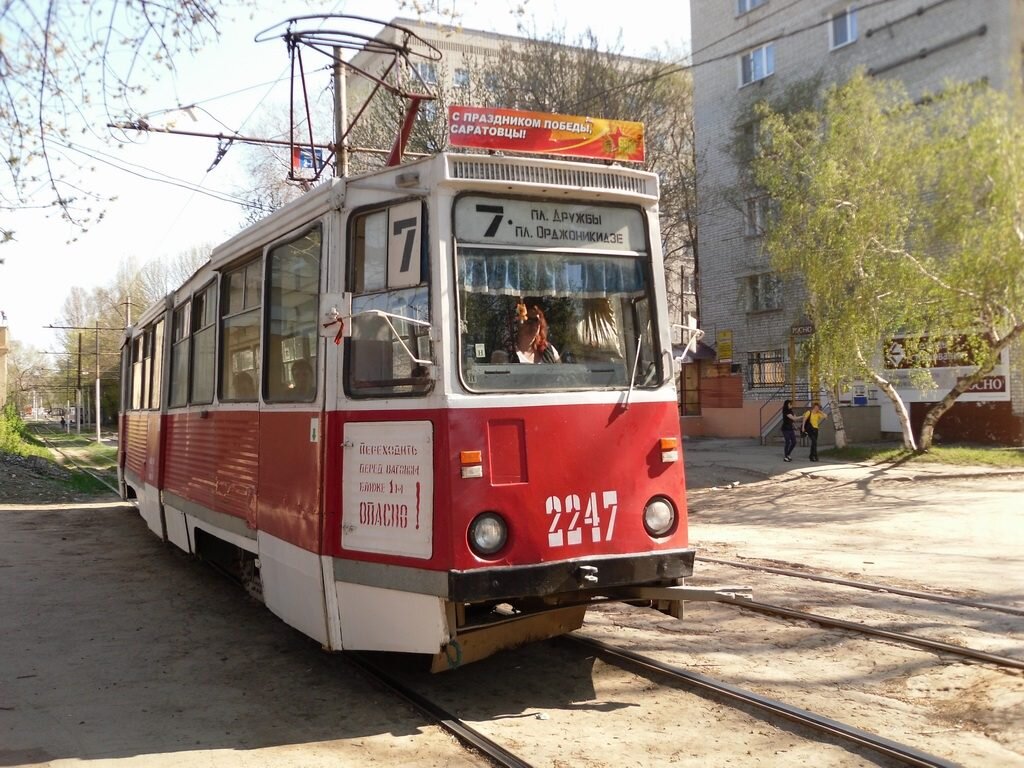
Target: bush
(14, 437)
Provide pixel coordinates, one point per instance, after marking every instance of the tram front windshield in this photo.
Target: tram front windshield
(535, 316)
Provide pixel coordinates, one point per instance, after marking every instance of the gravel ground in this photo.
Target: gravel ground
(119, 650)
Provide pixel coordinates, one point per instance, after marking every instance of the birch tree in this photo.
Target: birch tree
(903, 221)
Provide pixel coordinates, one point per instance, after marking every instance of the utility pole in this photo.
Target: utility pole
(340, 113)
(97, 381)
(97, 328)
(78, 389)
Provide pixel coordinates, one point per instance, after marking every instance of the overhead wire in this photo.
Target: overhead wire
(102, 157)
(684, 65)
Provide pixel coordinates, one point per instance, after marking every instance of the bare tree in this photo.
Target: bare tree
(63, 61)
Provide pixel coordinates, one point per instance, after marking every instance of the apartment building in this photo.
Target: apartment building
(750, 50)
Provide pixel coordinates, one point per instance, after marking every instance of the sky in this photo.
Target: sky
(169, 200)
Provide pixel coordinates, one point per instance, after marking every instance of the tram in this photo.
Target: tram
(340, 406)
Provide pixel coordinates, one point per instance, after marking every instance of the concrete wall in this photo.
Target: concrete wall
(732, 422)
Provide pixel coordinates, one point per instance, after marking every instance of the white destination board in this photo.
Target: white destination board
(548, 224)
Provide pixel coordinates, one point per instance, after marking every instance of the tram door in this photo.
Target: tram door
(290, 414)
(387, 463)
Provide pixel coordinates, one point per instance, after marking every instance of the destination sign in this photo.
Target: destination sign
(546, 224)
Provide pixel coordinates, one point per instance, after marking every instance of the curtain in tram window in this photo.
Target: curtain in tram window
(517, 273)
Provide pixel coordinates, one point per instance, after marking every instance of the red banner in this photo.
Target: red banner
(513, 130)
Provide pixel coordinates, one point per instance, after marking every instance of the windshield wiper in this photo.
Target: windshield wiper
(632, 376)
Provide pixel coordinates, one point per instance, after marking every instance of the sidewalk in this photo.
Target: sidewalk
(751, 461)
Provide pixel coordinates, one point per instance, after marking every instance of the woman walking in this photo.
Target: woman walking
(812, 420)
(788, 429)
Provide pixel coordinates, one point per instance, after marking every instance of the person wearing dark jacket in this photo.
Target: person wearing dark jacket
(789, 421)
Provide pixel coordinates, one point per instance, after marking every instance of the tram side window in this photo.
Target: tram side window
(241, 298)
(203, 344)
(390, 303)
(138, 353)
(179, 354)
(147, 368)
(293, 294)
(156, 368)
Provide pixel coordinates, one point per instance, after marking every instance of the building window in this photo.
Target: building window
(461, 78)
(757, 64)
(427, 72)
(764, 292)
(428, 111)
(689, 285)
(756, 216)
(843, 29)
(766, 370)
(745, 6)
(752, 137)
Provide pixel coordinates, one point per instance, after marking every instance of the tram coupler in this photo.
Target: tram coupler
(669, 600)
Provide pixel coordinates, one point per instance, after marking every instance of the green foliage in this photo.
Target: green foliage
(85, 451)
(840, 181)
(903, 219)
(14, 437)
(962, 455)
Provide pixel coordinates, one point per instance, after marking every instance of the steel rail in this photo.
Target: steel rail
(866, 629)
(904, 753)
(76, 465)
(464, 733)
(933, 596)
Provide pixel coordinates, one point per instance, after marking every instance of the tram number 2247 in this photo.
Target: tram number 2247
(571, 515)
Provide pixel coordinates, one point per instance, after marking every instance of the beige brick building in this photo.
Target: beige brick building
(749, 50)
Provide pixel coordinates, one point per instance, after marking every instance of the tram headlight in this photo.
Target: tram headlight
(659, 517)
(487, 533)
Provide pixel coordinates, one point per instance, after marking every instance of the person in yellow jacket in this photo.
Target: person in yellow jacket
(812, 421)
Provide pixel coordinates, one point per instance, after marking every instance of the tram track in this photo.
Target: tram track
(866, 629)
(448, 721)
(846, 734)
(71, 460)
(841, 734)
(864, 585)
(937, 646)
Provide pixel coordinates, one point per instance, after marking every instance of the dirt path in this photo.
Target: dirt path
(120, 650)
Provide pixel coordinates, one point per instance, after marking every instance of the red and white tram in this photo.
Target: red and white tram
(334, 406)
